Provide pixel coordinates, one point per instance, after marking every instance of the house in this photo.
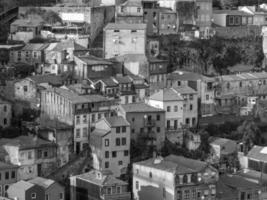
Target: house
(172, 102)
(25, 29)
(259, 15)
(174, 177)
(9, 174)
(34, 156)
(59, 133)
(110, 145)
(180, 104)
(168, 22)
(91, 67)
(146, 123)
(80, 111)
(230, 18)
(5, 50)
(151, 16)
(99, 185)
(204, 18)
(222, 148)
(52, 189)
(108, 87)
(123, 38)
(24, 190)
(141, 87)
(131, 11)
(6, 113)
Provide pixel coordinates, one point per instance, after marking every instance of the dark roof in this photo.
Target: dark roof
(28, 142)
(224, 192)
(34, 47)
(92, 60)
(125, 26)
(140, 107)
(117, 121)
(236, 181)
(132, 3)
(43, 182)
(21, 185)
(131, 58)
(28, 22)
(258, 153)
(123, 79)
(168, 94)
(110, 82)
(47, 78)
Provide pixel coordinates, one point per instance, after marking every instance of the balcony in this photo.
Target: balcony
(149, 123)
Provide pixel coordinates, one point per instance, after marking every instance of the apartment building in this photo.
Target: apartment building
(9, 176)
(6, 113)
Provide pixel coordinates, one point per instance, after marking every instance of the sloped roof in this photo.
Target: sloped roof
(68, 44)
(185, 90)
(184, 75)
(110, 82)
(243, 76)
(34, 47)
(4, 165)
(132, 3)
(131, 58)
(43, 182)
(236, 181)
(140, 107)
(229, 146)
(47, 78)
(258, 153)
(22, 185)
(93, 60)
(168, 94)
(231, 12)
(125, 26)
(123, 79)
(28, 22)
(117, 121)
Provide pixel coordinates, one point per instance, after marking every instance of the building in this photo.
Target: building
(146, 123)
(52, 189)
(173, 103)
(222, 148)
(79, 111)
(34, 156)
(130, 11)
(151, 16)
(192, 140)
(110, 145)
(204, 18)
(174, 177)
(25, 29)
(123, 38)
(98, 185)
(168, 22)
(230, 18)
(9, 176)
(91, 67)
(259, 15)
(5, 50)
(25, 191)
(6, 113)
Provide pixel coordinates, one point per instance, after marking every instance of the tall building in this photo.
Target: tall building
(151, 16)
(130, 11)
(204, 17)
(110, 145)
(174, 178)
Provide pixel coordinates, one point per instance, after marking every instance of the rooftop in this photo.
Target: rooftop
(28, 22)
(236, 181)
(47, 78)
(184, 75)
(140, 107)
(229, 146)
(168, 94)
(123, 79)
(131, 58)
(68, 44)
(185, 90)
(243, 76)
(117, 121)
(125, 26)
(93, 60)
(35, 46)
(258, 153)
(132, 3)
(4, 165)
(110, 82)
(43, 182)
(231, 12)
(22, 185)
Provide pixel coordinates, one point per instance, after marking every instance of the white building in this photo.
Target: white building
(110, 145)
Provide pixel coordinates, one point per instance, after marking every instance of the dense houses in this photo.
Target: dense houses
(96, 108)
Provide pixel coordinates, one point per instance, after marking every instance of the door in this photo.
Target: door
(175, 124)
(78, 147)
(39, 170)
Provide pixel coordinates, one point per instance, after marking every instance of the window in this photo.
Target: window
(137, 185)
(106, 164)
(29, 155)
(33, 195)
(109, 190)
(84, 119)
(138, 10)
(99, 115)
(85, 132)
(126, 153)
(46, 197)
(133, 119)
(118, 142)
(106, 142)
(116, 31)
(13, 174)
(141, 130)
(78, 133)
(5, 121)
(240, 84)
(7, 175)
(77, 119)
(25, 88)
(5, 108)
(123, 129)
(158, 129)
(61, 196)
(133, 31)
(123, 141)
(118, 190)
(191, 107)
(114, 154)
(158, 117)
(191, 97)
(207, 97)
(35, 54)
(133, 130)
(186, 194)
(168, 109)
(187, 121)
(39, 154)
(106, 154)
(120, 162)
(45, 154)
(150, 174)
(231, 20)
(175, 108)
(93, 117)
(118, 129)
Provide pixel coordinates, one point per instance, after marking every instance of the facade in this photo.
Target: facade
(151, 16)
(98, 185)
(110, 145)
(52, 190)
(192, 140)
(6, 113)
(79, 111)
(259, 16)
(204, 17)
(24, 190)
(172, 178)
(121, 39)
(9, 176)
(146, 123)
(231, 18)
(5, 50)
(130, 11)
(34, 156)
(168, 22)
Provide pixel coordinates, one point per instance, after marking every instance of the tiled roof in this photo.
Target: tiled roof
(176, 164)
(28, 22)
(21, 185)
(132, 3)
(258, 153)
(104, 180)
(43, 182)
(123, 79)
(168, 94)
(117, 121)
(110, 82)
(28, 142)
(34, 47)
(47, 78)
(236, 181)
(92, 60)
(140, 107)
(4, 165)
(125, 26)
(184, 90)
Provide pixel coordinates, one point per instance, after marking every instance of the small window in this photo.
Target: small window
(168, 109)
(126, 153)
(106, 165)
(138, 9)
(114, 154)
(25, 88)
(77, 119)
(5, 108)
(116, 31)
(133, 119)
(179, 83)
(133, 130)
(120, 162)
(109, 190)
(61, 196)
(158, 117)
(29, 155)
(46, 197)
(150, 174)
(118, 129)
(123, 141)
(118, 142)
(207, 97)
(137, 185)
(13, 174)
(7, 175)
(78, 133)
(123, 129)
(191, 107)
(118, 190)
(133, 31)
(33, 195)
(158, 129)
(5, 121)
(45, 154)
(106, 142)
(175, 108)
(106, 154)
(85, 130)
